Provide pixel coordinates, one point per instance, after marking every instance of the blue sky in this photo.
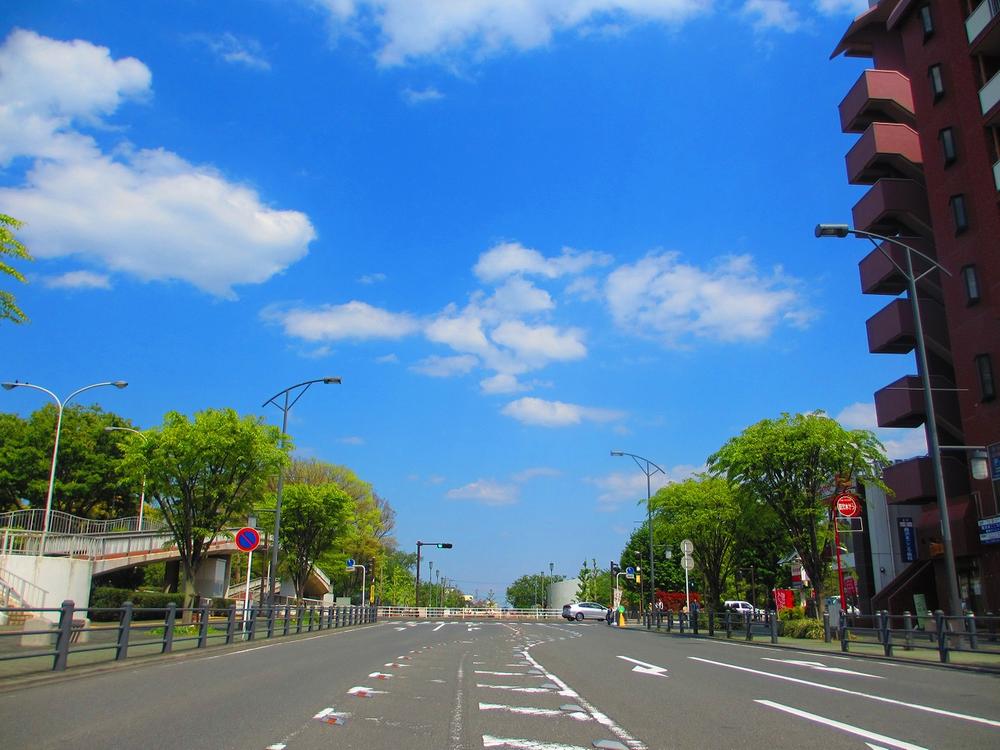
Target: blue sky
(523, 234)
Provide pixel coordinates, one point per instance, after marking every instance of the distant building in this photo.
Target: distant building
(563, 592)
(928, 118)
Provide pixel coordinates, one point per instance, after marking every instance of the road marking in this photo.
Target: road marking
(516, 688)
(531, 711)
(456, 715)
(506, 674)
(644, 668)
(278, 746)
(380, 675)
(891, 742)
(491, 741)
(869, 696)
(438, 627)
(364, 692)
(820, 666)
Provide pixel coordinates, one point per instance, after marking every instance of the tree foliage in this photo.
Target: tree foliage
(530, 590)
(10, 246)
(313, 518)
(595, 584)
(791, 464)
(203, 474)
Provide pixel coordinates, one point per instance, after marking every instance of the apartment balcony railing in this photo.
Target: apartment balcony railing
(989, 100)
(983, 27)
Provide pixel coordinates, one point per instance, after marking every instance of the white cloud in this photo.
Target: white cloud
(621, 487)
(900, 443)
(486, 492)
(235, 50)
(387, 359)
(539, 345)
(421, 96)
(445, 367)
(772, 14)
(512, 258)
(464, 333)
(661, 297)
(538, 471)
(834, 7)
(371, 278)
(536, 411)
(78, 280)
(502, 382)
(408, 29)
(352, 320)
(518, 296)
(352, 440)
(145, 212)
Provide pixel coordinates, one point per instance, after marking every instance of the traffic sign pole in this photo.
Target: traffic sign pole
(246, 592)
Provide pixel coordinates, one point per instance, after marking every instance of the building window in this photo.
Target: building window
(987, 385)
(937, 81)
(971, 279)
(927, 21)
(959, 213)
(947, 138)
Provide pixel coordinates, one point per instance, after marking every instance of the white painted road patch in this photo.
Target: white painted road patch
(532, 711)
(519, 744)
(850, 729)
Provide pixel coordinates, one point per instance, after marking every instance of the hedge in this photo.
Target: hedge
(155, 601)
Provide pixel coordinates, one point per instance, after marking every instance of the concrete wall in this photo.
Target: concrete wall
(50, 580)
(563, 592)
(212, 577)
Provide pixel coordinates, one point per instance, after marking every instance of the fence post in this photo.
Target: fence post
(826, 626)
(270, 620)
(298, 619)
(231, 625)
(970, 628)
(65, 632)
(711, 622)
(774, 626)
(886, 633)
(251, 634)
(124, 628)
(168, 628)
(681, 622)
(288, 615)
(942, 624)
(878, 625)
(844, 631)
(312, 614)
(749, 627)
(908, 627)
(203, 630)
(729, 623)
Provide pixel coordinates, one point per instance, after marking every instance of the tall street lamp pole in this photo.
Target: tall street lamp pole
(649, 469)
(930, 423)
(60, 405)
(142, 492)
(438, 545)
(285, 407)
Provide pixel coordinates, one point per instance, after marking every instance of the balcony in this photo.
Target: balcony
(989, 100)
(961, 522)
(878, 96)
(891, 330)
(983, 28)
(885, 150)
(894, 206)
(912, 480)
(880, 276)
(901, 404)
(996, 175)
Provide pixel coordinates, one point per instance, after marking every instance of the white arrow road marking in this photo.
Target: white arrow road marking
(491, 741)
(855, 693)
(531, 711)
(822, 667)
(891, 742)
(516, 688)
(644, 668)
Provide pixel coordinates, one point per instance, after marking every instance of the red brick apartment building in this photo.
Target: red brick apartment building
(928, 118)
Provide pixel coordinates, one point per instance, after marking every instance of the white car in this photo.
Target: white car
(742, 607)
(584, 611)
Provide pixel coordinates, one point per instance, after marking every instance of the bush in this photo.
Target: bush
(794, 613)
(105, 596)
(803, 628)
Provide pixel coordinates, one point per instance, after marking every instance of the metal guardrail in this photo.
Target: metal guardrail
(75, 635)
(933, 631)
(33, 519)
(470, 613)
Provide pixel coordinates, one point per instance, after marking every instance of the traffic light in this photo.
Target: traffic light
(443, 545)
(615, 568)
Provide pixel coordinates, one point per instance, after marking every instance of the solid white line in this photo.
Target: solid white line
(490, 741)
(835, 689)
(438, 627)
(843, 727)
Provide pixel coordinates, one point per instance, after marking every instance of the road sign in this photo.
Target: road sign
(350, 562)
(630, 571)
(687, 562)
(687, 546)
(247, 539)
(848, 505)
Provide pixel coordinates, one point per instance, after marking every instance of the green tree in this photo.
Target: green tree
(398, 580)
(203, 474)
(595, 584)
(529, 590)
(313, 518)
(10, 246)
(705, 510)
(791, 465)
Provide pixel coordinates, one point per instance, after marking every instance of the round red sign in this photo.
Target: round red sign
(848, 505)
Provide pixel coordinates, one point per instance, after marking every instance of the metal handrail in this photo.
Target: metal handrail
(60, 522)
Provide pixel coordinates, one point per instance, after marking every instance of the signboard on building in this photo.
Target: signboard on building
(850, 586)
(907, 539)
(989, 530)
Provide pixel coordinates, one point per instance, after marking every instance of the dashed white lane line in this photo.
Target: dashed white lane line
(507, 674)
(531, 711)
(890, 741)
(516, 688)
(855, 693)
(491, 741)
(278, 746)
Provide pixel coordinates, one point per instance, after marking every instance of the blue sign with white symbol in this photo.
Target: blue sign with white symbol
(630, 571)
(247, 539)
(350, 562)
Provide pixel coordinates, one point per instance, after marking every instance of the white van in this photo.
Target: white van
(742, 607)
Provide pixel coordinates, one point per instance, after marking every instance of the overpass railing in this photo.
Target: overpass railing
(33, 519)
(133, 631)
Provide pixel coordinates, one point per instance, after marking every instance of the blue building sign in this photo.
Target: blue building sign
(989, 530)
(907, 539)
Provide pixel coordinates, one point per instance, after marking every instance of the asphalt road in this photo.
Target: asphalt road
(534, 686)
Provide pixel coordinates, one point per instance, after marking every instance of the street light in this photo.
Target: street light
(438, 545)
(285, 408)
(649, 515)
(930, 423)
(60, 405)
(142, 492)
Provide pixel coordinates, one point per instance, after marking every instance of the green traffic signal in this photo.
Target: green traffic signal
(443, 545)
